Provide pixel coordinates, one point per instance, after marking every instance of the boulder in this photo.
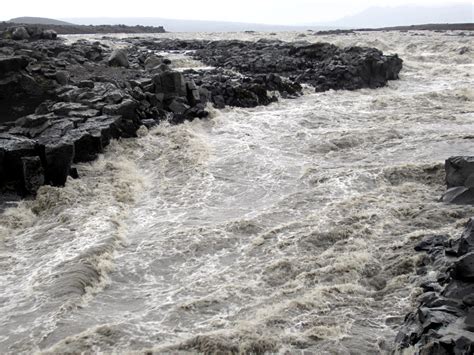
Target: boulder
(171, 84)
(20, 33)
(469, 321)
(58, 157)
(62, 77)
(152, 61)
(13, 149)
(118, 58)
(459, 196)
(465, 244)
(64, 108)
(86, 144)
(130, 121)
(178, 106)
(460, 171)
(463, 269)
(49, 34)
(12, 64)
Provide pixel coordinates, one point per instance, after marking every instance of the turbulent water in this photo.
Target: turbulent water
(282, 228)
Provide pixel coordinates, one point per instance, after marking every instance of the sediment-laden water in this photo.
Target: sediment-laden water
(281, 228)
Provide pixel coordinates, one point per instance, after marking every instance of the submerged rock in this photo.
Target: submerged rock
(460, 180)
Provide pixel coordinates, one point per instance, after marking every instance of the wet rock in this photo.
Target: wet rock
(178, 106)
(114, 97)
(469, 321)
(431, 242)
(58, 157)
(432, 327)
(118, 58)
(152, 62)
(33, 120)
(459, 180)
(33, 174)
(13, 149)
(64, 108)
(87, 145)
(20, 33)
(49, 34)
(127, 110)
(9, 64)
(171, 84)
(62, 77)
(459, 195)
(460, 171)
(86, 84)
(466, 243)
(463, 269)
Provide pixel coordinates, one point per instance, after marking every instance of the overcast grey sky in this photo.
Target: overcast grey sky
(256, 11)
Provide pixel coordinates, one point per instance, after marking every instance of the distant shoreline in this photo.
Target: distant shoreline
(426, 27)
(104, 29)
(87, 29)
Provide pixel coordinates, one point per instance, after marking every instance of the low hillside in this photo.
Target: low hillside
(39, 21)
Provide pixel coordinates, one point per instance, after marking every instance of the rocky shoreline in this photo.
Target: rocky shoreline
(443, 322)
(62, 104)
(9, 27)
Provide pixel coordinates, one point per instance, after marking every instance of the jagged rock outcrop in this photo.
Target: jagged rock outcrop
(443, 321)
(459, 180)
(322, 65)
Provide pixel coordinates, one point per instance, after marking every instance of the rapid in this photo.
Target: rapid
(285, 228)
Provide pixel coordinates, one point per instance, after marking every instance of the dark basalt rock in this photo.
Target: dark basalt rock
(459, 195)
(170, 84)
(459, 180)
(20, 33)
(13, 149)
(58, 158)
(443, 321)
(118, 58)
(460, 171)
(322, 65)
(463, 269)
(15, 63)
(450, 329)
(33, 174)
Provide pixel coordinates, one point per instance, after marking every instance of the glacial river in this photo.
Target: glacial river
(286, 228)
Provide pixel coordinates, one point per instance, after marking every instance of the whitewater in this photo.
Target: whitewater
(285, 228)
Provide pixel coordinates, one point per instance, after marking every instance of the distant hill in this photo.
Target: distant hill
(174, 25)
(39, 21)
(375, 17)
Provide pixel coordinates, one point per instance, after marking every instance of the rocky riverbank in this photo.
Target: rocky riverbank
(443, 322)
(321, 65)
(62, 104)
